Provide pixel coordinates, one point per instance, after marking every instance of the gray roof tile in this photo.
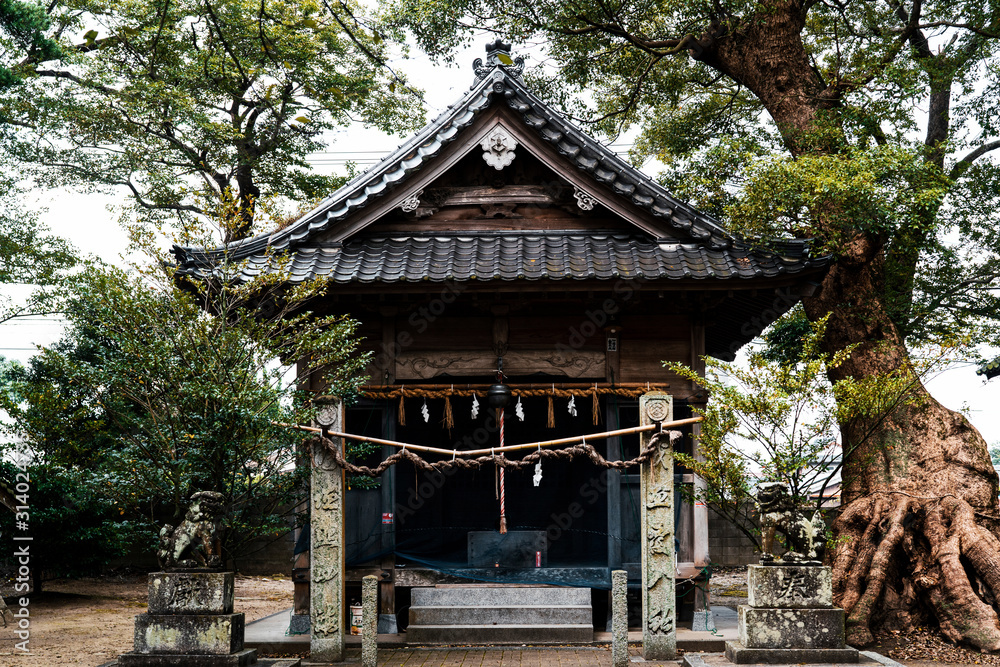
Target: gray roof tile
(553, 256)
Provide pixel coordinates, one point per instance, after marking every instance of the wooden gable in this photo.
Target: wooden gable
(540, 190)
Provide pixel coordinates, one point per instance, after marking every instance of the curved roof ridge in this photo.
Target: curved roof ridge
(278, 239)
(565, 127)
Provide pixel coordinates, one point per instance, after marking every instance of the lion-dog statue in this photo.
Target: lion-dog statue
(805, 538)
(195, 542)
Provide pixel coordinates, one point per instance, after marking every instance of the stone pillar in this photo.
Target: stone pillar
(659, 631)
(326, 599)
(619, 618)
(369, 621)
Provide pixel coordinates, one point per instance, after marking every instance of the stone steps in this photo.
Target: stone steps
(514, 615)
(500, 634)
(491, 614)
(498, 594)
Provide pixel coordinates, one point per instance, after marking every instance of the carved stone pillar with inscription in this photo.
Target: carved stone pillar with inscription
(327, 544)
(659, 630)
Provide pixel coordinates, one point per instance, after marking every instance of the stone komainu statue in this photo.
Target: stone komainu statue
(195, 542)
(805, 538)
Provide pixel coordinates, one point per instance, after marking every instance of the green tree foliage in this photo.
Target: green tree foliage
(160, 389)
(75, 529)
(23, 39)
(30, 257)
(195, 105)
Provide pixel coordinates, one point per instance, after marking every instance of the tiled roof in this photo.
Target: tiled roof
(705, 251)
(500, 85)
(521, 256)
(990, 369)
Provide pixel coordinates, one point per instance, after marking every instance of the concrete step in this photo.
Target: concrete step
(514, 615)
(500, 634)
(499, 596)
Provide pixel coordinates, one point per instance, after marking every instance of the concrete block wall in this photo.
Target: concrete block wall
(727, 546)
(273, 556)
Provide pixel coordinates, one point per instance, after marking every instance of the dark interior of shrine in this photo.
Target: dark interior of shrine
(448, 522)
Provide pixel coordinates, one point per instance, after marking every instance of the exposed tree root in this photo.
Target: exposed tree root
(950, 563)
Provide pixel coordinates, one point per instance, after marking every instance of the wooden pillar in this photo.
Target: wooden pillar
(327, 544)
(701, 555)
(614, 490)
(387, 623)
(659, 627)
(703, 619)
(614, 478)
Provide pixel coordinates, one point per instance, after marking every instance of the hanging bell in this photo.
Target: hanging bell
(498, 396)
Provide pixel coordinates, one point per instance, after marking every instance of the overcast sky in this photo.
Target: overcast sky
(86, 222)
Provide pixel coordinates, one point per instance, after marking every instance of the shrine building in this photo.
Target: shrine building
(503, 233)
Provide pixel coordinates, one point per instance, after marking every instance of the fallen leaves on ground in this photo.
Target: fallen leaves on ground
(928, 646)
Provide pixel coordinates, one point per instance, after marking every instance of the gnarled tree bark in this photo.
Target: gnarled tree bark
(918, 531)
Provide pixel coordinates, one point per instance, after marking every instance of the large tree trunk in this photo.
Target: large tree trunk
(919, 531)
(917, 537)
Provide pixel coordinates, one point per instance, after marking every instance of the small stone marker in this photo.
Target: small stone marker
(369, 621)
(619, 618)
(790, 618)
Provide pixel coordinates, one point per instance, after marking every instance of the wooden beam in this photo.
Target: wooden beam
(523, 386)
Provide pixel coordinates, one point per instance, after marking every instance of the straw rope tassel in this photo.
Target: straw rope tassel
(402, 412)
(596, 407)
(551, 421)
(449, 418)
(503, 514)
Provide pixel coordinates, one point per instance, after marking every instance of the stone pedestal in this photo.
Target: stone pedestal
(190, 623)
(790, 618)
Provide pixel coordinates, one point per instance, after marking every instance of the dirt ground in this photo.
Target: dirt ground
(90, 621)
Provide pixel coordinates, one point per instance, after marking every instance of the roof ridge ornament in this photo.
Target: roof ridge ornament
(498, 60)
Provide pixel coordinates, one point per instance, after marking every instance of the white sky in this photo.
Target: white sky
(86, 222)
